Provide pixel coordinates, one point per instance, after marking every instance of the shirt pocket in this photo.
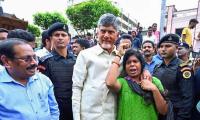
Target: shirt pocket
(43, 101)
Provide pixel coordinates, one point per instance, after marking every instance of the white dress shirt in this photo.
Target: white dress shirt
(42, 52)
(150, 38)
(91, 99)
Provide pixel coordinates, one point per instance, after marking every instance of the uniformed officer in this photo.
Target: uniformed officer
(58, 66)
(176, 77)
(184, 53)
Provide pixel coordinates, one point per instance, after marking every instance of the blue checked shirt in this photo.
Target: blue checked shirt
(33, 101)
(150, 67)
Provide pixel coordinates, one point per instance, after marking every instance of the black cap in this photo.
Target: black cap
(183, 44)
(57, 26)
(169, 38)
(3, 30)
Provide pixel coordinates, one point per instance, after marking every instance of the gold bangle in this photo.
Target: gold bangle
(116, 63)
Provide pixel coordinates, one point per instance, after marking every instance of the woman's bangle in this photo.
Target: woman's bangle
(114, 62)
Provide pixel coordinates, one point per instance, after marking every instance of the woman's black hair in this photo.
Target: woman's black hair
(133, 52)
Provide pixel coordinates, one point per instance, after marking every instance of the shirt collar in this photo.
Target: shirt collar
(100, 50)
(57, 56)
(45, 50)
(159, 56)
(174, 61)
(152, 61)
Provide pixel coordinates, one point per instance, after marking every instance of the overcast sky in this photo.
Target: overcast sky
(144, 11)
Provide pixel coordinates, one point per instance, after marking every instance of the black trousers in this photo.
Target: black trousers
(195, 112)
(65, 107)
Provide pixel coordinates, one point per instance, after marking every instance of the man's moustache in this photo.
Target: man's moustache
(146, 51)
(32, 66)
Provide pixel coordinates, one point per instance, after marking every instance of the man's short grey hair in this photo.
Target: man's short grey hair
(109, 19)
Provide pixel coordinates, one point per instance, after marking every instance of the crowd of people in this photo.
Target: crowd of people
(127, 76)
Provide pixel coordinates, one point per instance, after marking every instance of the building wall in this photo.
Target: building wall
(126, 23)
(177, 20)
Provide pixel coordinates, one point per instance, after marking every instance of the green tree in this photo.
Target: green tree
(34, 30)
(84, 16)
(44, 20)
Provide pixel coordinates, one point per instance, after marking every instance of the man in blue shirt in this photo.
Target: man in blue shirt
(136, 42)
(148, 50)
(139, 34)
(24, 93)
(158, 58)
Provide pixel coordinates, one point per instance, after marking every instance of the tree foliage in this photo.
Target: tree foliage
(44, 20)
(84, 16)
(34, 30)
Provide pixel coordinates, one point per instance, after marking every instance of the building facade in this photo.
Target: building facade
(177, 20)
(10, 22)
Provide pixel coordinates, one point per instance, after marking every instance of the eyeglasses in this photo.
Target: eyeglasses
(28, 58)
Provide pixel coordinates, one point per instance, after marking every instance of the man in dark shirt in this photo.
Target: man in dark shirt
(176, 77)
(139, 34)
(195, 113)
(59, 68)
(80, 45)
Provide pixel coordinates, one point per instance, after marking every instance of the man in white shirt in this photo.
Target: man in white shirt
(46, 43)
(150, 36)
(91, 99)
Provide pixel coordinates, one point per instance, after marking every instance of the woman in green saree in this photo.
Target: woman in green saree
(139, 98)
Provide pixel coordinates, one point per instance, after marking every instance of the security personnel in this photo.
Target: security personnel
(176, 77)
(184, 53)
(58, 66)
